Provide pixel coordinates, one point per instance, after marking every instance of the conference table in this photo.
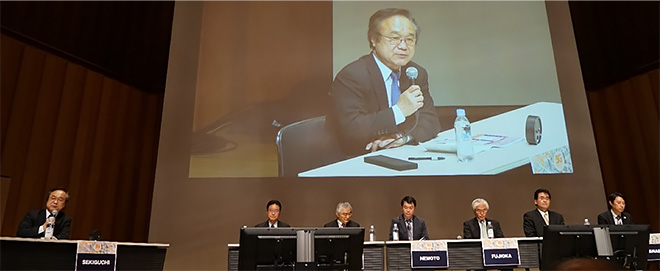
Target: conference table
(395, 255)
(40, 254)
(491, 161)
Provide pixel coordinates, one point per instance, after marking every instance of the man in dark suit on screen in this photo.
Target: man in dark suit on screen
(411, 227)
(376, 105)
(344, 212)
(477, 227)
(535, 220)
(35, 222)
(616, 215)
(273, 210)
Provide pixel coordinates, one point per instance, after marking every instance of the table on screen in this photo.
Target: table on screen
(489, 162)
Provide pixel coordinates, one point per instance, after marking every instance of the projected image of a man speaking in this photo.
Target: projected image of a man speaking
(382, 99)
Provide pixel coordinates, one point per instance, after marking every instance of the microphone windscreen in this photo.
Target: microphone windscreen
(54, 212)
(412, 73)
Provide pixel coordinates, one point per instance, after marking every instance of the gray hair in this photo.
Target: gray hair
(478, 201)
(343, 205)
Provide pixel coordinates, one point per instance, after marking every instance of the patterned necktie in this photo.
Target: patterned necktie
(484, 230)
(545, 218)
(394, 90)
(410, 229)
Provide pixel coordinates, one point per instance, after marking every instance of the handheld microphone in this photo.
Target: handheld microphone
(54, 213)
(412, 74)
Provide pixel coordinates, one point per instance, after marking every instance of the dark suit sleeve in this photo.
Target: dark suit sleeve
(602, 219)
(331, 224)
(425, 233)
(497, 229)
(283, 224)
(628, 219)
(362, 116)
(561, 219)
(64, 227)
(29, 226)
(467, 232)
(428, 123)
(528, 226)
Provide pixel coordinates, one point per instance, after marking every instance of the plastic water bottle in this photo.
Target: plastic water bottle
(395, 232)
(48, 232)
(372, 233)
(463, 129)
(586, 222)
(489, 228)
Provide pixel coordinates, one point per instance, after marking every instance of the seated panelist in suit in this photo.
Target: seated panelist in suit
(477, 227)
(344, 212)
(374, 104)
(535, 220)
(273, 211)
(35, 222)
(616, 215)
(411, 227)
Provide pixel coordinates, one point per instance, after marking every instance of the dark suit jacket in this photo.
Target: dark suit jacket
(606, 218)
(419, 228)
(29, 226)
(533, 222)
(360, 111)
(334, 223)
(471, 228)
(280, 224)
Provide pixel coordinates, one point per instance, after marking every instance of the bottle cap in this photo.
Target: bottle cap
(460, 112)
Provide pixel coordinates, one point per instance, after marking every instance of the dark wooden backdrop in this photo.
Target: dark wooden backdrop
(82, 92)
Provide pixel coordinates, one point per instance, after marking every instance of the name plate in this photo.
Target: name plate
(500, 252)
(654, 247)
(95, 255)
(429, 254)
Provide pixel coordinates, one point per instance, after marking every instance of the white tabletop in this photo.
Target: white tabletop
(492, 161)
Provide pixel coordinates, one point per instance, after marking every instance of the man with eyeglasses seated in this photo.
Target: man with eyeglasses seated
(35, 222)
(535, 220)
(273, 209)
(344, 212)
(477, 227)
(411, 227)
(375, 104)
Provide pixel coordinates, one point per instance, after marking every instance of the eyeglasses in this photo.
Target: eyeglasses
(481, 211)
(57, 198)
(345, 214)
(273, 211)
(410, 41)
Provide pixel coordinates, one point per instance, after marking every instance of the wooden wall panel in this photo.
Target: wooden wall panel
(626, 120)
(65, 125)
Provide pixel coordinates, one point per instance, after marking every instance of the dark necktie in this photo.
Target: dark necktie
(272, 225)
(341, 224)
(618, 220)
(395, 91)
(410, 229)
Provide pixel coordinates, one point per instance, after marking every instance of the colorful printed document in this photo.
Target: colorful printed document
(553, 161)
